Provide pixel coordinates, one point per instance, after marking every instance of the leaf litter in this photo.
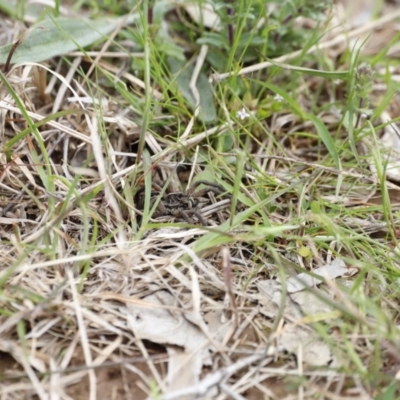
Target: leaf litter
(147, 305)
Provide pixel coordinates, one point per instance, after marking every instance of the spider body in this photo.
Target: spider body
(181, 205)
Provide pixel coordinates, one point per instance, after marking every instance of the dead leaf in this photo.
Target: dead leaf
(188, 347)
(300, 303)
(203, 14)
(329, 271)
(390, 141)
(310, 304)
(270, 297)
(314, 351)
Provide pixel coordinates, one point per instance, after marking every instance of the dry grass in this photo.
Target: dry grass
(102, 300)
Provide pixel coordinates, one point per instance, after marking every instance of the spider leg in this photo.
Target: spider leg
(140, 195)
(200, 218)
(211, 187)
(183, 214)
(205, 191)
(161, 210)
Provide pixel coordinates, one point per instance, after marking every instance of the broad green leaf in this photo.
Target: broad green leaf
(28, 12)
(183, 75)
(55, 37)
(7, 7)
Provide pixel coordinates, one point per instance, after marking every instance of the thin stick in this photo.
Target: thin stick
(330, 43)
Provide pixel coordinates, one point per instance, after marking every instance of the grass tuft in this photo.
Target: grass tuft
(125, 274)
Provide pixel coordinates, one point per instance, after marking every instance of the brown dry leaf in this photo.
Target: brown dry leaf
(293, 336)
(187, 345)
(329, 271)
(300, 303)
(310, 304)
(163, 326)
(203, 14)
(370, 225)
(295, 339)
(183, 368)
(270, 297)
(359, 13)
(390, 141)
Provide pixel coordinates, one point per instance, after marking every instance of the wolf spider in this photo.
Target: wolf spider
(184, 205)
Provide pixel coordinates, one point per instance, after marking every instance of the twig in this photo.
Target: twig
(194, 90)
(319, 46)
